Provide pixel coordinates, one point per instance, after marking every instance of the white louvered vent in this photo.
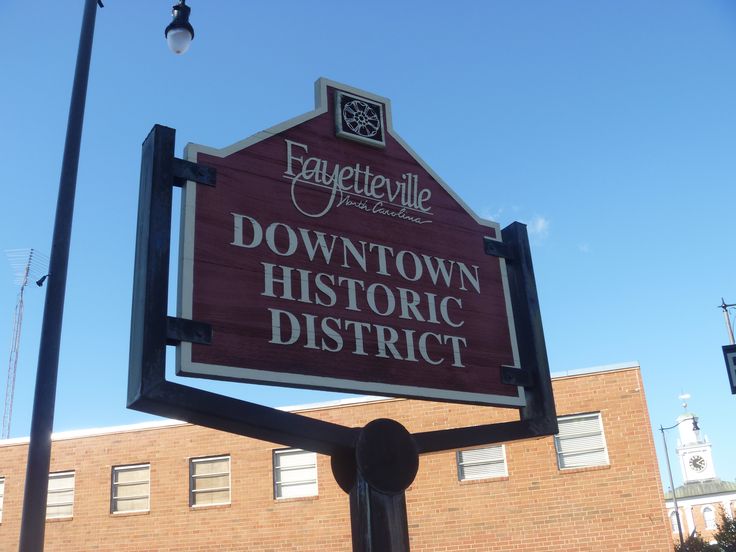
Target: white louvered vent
(482, 463)
(580, 442)
(294, 473)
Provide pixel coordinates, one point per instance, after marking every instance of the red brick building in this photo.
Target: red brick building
(167, 486)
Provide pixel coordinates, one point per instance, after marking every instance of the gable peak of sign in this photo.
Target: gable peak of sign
(321, 87)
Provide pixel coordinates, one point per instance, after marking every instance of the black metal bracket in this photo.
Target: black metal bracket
(187, 170)
(512, 375)
(497, 248)
(181, 329)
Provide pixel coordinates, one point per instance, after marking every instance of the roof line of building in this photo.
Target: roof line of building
(351, 401)
(597, 369)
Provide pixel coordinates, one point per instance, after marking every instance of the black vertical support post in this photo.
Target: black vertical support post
(33, 524)
(150, 294)
(378, 520)
(385, 463)
(540, 409)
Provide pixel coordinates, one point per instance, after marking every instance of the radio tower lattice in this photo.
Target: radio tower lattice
(25, 264)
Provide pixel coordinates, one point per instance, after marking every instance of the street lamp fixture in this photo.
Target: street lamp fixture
(179, 33)
(694, 419)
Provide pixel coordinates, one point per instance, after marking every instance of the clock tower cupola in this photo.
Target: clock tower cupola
(693, 449)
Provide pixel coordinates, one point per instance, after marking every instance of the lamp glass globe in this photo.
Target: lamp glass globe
(179, 40)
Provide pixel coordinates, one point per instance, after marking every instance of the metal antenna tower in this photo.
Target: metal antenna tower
(26, 264)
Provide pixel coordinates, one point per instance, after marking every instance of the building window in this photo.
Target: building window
(60, 502)
(580, 442)
(709, 516)
(294, 473)
(131, 488)
(481, 463)
(673, 522)
(209, 481)
(2, 496)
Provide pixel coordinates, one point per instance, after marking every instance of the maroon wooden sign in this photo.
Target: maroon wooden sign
(330, 256)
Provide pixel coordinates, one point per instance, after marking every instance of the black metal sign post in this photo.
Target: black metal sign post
(375, 464)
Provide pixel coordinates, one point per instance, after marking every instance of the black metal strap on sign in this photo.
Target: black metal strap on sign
(374, 464)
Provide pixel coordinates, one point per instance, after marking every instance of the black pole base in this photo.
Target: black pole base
(376, 475)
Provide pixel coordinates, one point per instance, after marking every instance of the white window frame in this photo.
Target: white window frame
(278, 485)
(114, 486)
(50, 500)
(461, 463)
(714, 523)
(673, 521)
(192, 478)
(603, 449)
(2, 497)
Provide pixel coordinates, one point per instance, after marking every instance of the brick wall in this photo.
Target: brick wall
(536, 508)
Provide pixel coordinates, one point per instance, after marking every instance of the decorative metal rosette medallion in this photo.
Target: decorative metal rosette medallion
(359, 119)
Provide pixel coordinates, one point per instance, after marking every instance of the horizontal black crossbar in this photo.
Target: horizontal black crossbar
(461, 437)
(223, 413)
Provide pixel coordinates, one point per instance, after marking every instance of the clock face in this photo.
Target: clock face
(697, 463)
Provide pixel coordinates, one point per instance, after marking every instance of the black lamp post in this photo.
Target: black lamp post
(33, 523)
(669, 472)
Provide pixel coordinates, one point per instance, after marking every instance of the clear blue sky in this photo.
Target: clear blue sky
(608, 127)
